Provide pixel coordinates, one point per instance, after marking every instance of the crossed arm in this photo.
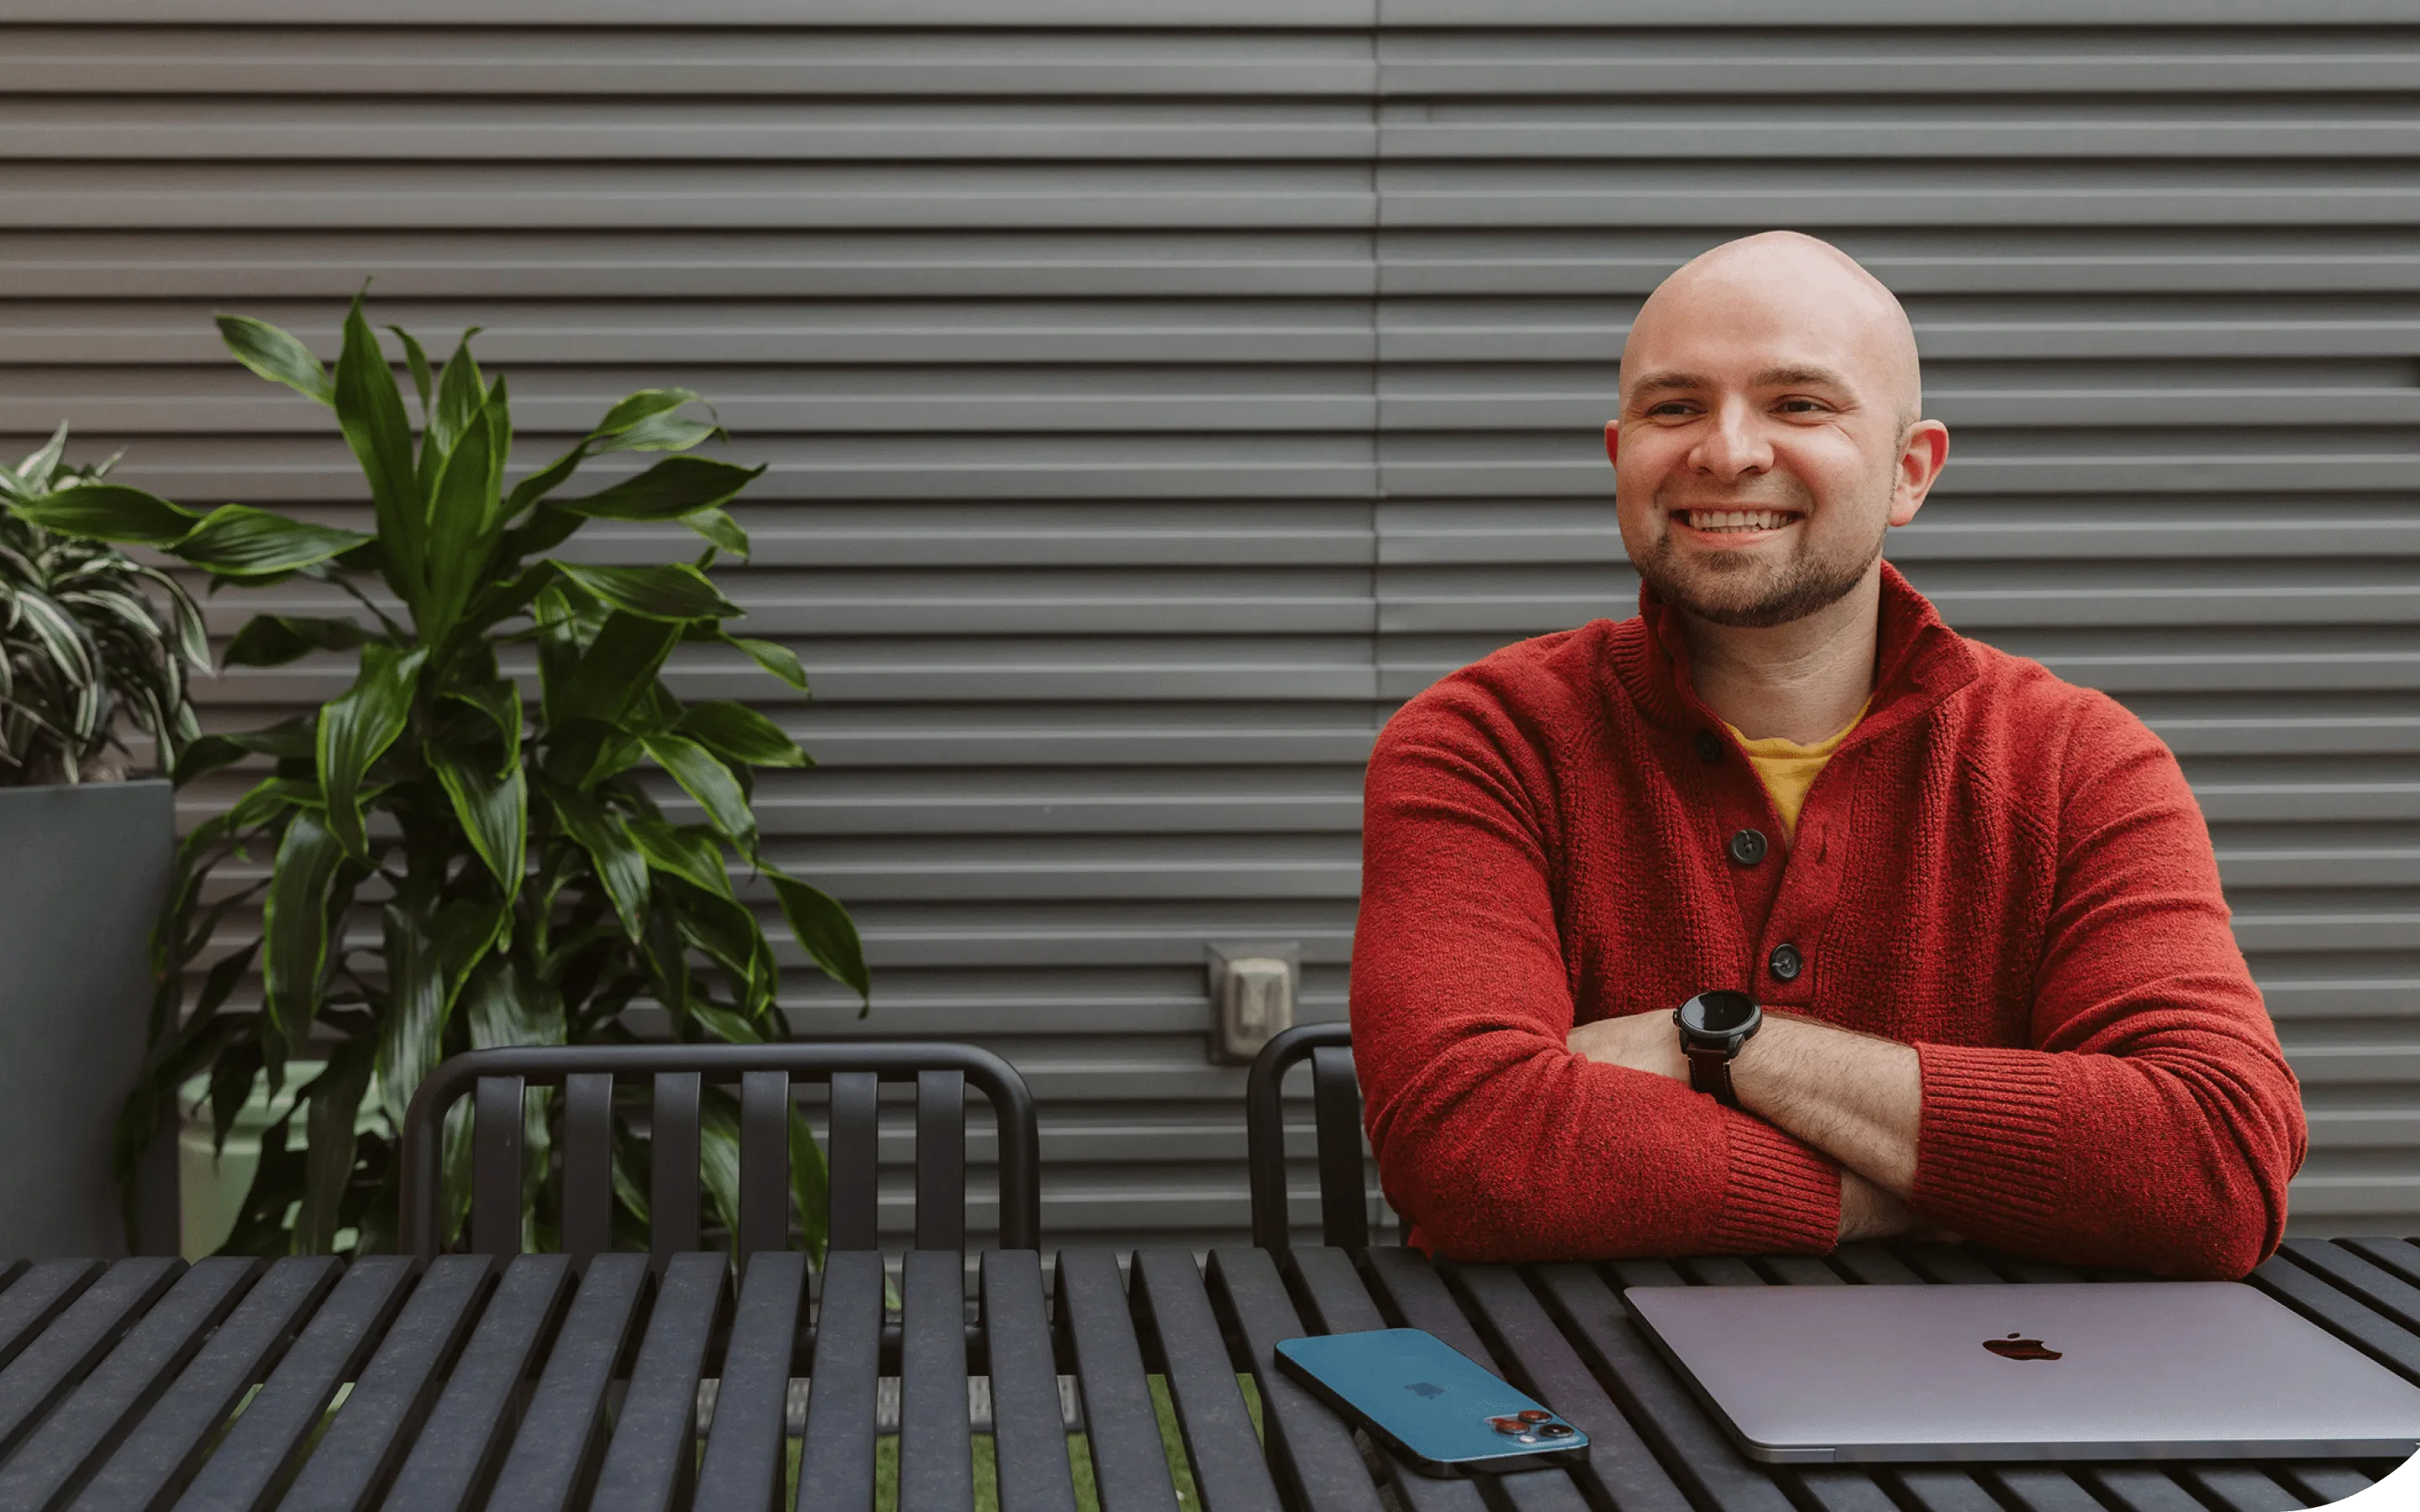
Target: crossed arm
(1854, 1097)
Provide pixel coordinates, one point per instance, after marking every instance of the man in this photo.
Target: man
(1977, 905)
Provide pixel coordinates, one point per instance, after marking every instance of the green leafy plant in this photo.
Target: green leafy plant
(85, 646)
(527, 886)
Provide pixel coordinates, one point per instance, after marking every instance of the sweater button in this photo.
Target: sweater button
(1786, 963)
(1747, 847)
(1709, 746)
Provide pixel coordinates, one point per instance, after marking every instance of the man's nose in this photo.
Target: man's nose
(1733, 445)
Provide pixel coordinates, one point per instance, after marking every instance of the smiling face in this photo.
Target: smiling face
(1768, 435)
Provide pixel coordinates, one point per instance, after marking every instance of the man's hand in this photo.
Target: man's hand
(1867, 1211)
(1854, 1097)
(1642, 1041)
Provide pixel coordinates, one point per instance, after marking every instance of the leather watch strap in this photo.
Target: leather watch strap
(1710, 1071)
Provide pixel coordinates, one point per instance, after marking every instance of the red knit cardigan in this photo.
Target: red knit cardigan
(2004, 870)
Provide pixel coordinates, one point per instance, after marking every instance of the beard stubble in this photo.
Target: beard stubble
(1749, 594)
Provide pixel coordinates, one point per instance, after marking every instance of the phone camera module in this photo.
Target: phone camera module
(1533, 1415)
(1555, 1430)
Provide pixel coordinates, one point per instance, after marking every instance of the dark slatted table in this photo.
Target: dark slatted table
(643, 1383)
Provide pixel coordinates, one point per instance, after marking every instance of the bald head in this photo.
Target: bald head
(1796, 291)
(1769, 434)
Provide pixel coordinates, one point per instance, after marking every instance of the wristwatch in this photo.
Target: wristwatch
(1714, 1026)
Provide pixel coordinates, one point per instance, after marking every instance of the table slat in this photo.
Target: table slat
(2321, 1483)
(1339, 1303)
(1840, 1490)
(89, 1423)
(374, 1428)
(836, 1460)
(1799, 1271)
(1695, 1449)
(1720, 1271)
(1313, 1447)
(744, 1449)
(249, 1464)
(1029, 1440)
(162, 1452)
(1230, 1470)
(51, 1366)
(1870, 1264)
(653, 1456)
(37, 1296)
(1519, 1330)
(2383, 1291)
(1948, 1265)
(2141, 1488)
(2027, 1269)
(2399, 1257)
(450, 1464)
(2043, 1489)
(552, 1457)
(2239, 1489)
(1129, 1467)
(935, 1467)
(1938, 1488)
(2344, 1316)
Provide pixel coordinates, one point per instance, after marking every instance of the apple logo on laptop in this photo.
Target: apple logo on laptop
(2014, 1348)
(1425, 1388)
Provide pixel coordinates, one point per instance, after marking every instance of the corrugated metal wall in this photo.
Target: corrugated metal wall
(1156, 394)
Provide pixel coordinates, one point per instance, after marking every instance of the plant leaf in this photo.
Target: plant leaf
(825, 931)
(239, 540)
(673, 592)
(661, 433)
(294, 923)
(674, 486)
(618, 664)
(356, 728)
(275, 639)
(370, 411)
(720, 531)
(739, 734)
(501, 702)
(641, 405)
(459, 507)
(688, 853)
(508, 1007)
(495, 812)
(703, 777)
(110, 512)
(277, 356)
(810, 1186)
(600, 832)
(335, 1096)
(429, 953)
(417, 359)
(778, 659)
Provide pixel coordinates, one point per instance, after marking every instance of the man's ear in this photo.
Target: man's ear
(1612, 442)
(1922, 456)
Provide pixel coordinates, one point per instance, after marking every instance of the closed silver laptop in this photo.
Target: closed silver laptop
(2123, 1370)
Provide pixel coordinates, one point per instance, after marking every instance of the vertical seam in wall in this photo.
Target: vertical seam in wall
(1378, 362)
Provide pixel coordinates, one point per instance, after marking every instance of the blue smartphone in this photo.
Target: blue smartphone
(1437, 1406)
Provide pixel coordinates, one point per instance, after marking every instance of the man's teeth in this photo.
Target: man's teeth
(1740, 520)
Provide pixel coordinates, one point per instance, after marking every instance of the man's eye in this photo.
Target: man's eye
(1668, 408)
(1802, 406)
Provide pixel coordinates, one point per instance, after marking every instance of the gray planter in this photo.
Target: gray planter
(83, 871)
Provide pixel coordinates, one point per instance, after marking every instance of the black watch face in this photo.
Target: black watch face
(1720, 1012)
